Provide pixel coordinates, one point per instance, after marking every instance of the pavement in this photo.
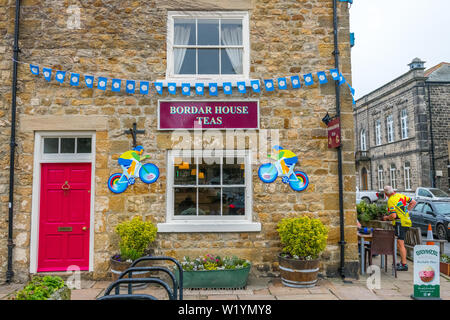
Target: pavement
(390, 288)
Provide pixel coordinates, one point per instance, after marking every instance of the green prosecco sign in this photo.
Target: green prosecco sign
(426, 272)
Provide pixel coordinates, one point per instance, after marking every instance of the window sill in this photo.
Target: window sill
(209, 226)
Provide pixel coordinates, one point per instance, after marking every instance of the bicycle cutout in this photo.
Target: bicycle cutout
(130, 162)
(284, 167)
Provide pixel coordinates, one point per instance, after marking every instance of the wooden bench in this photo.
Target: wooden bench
(413, 237)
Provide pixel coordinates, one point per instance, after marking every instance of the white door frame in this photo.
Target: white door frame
(40, 158)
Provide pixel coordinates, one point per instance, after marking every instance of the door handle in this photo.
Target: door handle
(84, 228)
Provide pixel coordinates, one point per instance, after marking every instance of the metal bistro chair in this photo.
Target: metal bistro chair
(383, 242)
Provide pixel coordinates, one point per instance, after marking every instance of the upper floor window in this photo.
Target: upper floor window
(390, 128)
(363, 140)
(378, 132)
(407, 173)
(207, 45)
(404, 123)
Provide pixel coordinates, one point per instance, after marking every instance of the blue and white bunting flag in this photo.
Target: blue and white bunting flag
(255, 86)
(60, 75)
(269, 84)
(282, 83)
(143, 87)
(75, 79)
(89, 80)
(186, 89)
(322, 77)
(353, 93)
(295, 81)
(47, 72)
(116, 84)
(227, 88)
(172, 87)
(101, 83)
(199, 89)
(159, 87)
(34, 69)
(130, 86)
(308, 79)
(241, 87)
(213, 89)
(341, 79)
(334, 74)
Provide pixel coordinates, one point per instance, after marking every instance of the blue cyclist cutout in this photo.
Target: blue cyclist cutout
(284, 167)
(130, 162)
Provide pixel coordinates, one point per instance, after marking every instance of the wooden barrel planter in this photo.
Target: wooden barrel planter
(298, 273)
(117, 267)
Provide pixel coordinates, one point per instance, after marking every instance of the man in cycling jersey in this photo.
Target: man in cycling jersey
(399, 206)
(287, 158)
(130, 158)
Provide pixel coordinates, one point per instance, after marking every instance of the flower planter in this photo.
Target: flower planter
(229, 278)
(445, 268)
(117, 267)
(298, 273)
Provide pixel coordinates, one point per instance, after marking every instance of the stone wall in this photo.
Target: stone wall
(128, 40)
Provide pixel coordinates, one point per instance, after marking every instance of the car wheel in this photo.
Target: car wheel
(441, 232)
(366, 200)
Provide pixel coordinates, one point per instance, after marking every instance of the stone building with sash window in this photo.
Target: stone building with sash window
(70, 136)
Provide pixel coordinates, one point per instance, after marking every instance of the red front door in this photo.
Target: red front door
(64, 216)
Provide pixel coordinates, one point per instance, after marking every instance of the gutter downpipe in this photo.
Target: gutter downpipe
(433, 168)
(339, 149)
(13, 145)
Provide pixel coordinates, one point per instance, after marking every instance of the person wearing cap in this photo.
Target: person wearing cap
(399, 206)
(287, 158)
(130, 158)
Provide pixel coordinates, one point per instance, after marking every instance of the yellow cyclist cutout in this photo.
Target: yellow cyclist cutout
(130, 158)
(286, 158)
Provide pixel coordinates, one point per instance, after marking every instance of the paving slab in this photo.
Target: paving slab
(223, 297)
(101, 284)
(256, 297)
(86, 294)
(329, 296)
(7, 289)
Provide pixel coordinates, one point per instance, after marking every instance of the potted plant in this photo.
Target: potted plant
(445, 264)
(44, 288)
(303, 239)
(212, 271)
(135, 236)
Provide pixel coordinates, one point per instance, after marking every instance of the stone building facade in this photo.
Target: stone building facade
(402, 131)
(131, 40)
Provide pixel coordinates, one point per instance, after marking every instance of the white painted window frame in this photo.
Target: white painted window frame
(380, 178)
(205, 79)
(404, 123)
(390, 128)
(363, 140)
(407, 172)
(393, 176)
(39, 158)
(211, 223)
(378, 132)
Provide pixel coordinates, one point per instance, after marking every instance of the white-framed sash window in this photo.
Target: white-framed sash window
(407, 172)
(390, 128)
(208, 45)
(404, 123)
(363, 140)
(380, 178)
(378, 132)
(209, 191)
(393, 176)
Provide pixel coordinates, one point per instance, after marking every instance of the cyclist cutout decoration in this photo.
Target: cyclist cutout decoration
(283, 167)
(130, 162)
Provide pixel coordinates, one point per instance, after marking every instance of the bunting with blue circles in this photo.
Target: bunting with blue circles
(143, 86)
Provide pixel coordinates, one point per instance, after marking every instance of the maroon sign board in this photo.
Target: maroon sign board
(174, 114)
(334, 133)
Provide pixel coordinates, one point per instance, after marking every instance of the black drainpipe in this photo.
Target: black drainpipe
(433, 168)
(339, 149)
(13, 145)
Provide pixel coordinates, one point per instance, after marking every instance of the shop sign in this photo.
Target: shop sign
(426, 272)
(334, 133)
(203, 114)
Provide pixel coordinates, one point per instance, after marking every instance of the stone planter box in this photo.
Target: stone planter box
(378, 224)
(61, 294)
(445, 268)
(227, 279)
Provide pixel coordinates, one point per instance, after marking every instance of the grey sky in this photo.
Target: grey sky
(390, 33)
